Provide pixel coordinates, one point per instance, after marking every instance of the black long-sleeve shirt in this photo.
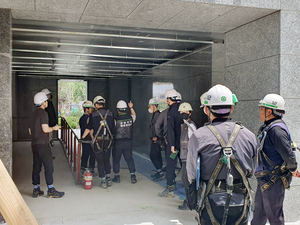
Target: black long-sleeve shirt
(173, 124)
(51, 114)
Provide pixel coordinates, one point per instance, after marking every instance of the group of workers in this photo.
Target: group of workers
(217, 160)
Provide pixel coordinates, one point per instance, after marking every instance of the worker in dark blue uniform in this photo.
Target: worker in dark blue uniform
(87, 150)
(123, 140)
(277, 162)
(155, 151)
(101, 128)
(173, 139)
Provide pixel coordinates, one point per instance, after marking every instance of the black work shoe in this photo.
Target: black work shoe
(133, 179)
(103, 184)
(154, 175)
(116, 179)
(159, 176)
(108, 181)
(37, 192)
(52, 193)
(167, 193)
(52, 143)
(183, 206)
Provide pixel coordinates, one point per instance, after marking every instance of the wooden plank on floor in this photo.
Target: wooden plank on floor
(12, 205)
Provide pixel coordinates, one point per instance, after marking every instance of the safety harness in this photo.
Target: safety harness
(278, 172)
(104, 138)
(226, 159)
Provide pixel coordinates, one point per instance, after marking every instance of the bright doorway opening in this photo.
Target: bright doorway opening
(71, 95)
(159, 92)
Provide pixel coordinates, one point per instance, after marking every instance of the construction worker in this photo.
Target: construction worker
(101, 128)
(123, 140)
(173, 139)
(87, 150)
(42, 155)
(277, 162)
(221, 156)
(51, 114)
(187, 129)
(155, 151)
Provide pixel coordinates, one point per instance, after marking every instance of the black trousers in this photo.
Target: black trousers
(269, 204)
(87, 155)
(171, 164)
(122, 147)
(155, 155)
(42, 156)
(103, 162)
(184, 177)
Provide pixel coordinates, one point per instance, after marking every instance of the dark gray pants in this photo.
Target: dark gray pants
(269, 204)
(155, 156)
(122, 147)
(184, 177)
(87, 155)
(103, 162)
(42, 156)
(171, 164)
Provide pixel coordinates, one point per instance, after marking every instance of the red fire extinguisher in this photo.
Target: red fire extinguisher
(87, 180)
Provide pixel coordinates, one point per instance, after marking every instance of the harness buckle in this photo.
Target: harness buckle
(227, 151)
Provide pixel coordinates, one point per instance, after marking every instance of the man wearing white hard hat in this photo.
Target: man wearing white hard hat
(51, 113)
(155, 150)
(173, 139)
(277, 162)
(101, 128)
(87, 156)
(188, 127)
(123, 140)
(221, 155)
(42, 155)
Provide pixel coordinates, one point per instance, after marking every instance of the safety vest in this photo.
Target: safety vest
(124, 124)
(184, 139)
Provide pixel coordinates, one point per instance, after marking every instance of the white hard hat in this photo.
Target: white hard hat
(39, 98)
(153, 101)
(46, 91)
(172, 93)
(272, 101)
(88, 104)
(121, 104)
(178, 98)
(99, 99)
(202, 97)
(185, 107)
(218, 95)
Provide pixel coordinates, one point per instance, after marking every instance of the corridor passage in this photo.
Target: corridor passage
(121, 204)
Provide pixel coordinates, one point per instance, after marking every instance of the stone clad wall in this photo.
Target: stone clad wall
(248, 63)
(5, 89)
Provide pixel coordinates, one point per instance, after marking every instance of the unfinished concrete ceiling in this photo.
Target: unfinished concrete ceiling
(93, 38)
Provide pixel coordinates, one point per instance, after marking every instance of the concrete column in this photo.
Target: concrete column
(5, 89)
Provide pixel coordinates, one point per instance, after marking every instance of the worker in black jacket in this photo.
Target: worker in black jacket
(173, 138)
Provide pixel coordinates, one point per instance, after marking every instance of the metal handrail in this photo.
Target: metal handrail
(72, 148)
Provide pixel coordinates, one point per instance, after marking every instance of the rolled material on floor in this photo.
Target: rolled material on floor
(12, 206)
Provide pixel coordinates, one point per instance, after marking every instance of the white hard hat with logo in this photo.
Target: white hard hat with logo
(178, 98)
(272, 101)
(46, 91)
(87, 104)
(39, 98)
(172, 93)
(153, 101)
(202, 98)
(219, 95)
(99, 99)
(185, 107)
(121, 104)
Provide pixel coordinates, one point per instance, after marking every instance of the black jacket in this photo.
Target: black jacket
(51, 114)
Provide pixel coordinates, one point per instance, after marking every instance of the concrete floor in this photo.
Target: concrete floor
(121, 204)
